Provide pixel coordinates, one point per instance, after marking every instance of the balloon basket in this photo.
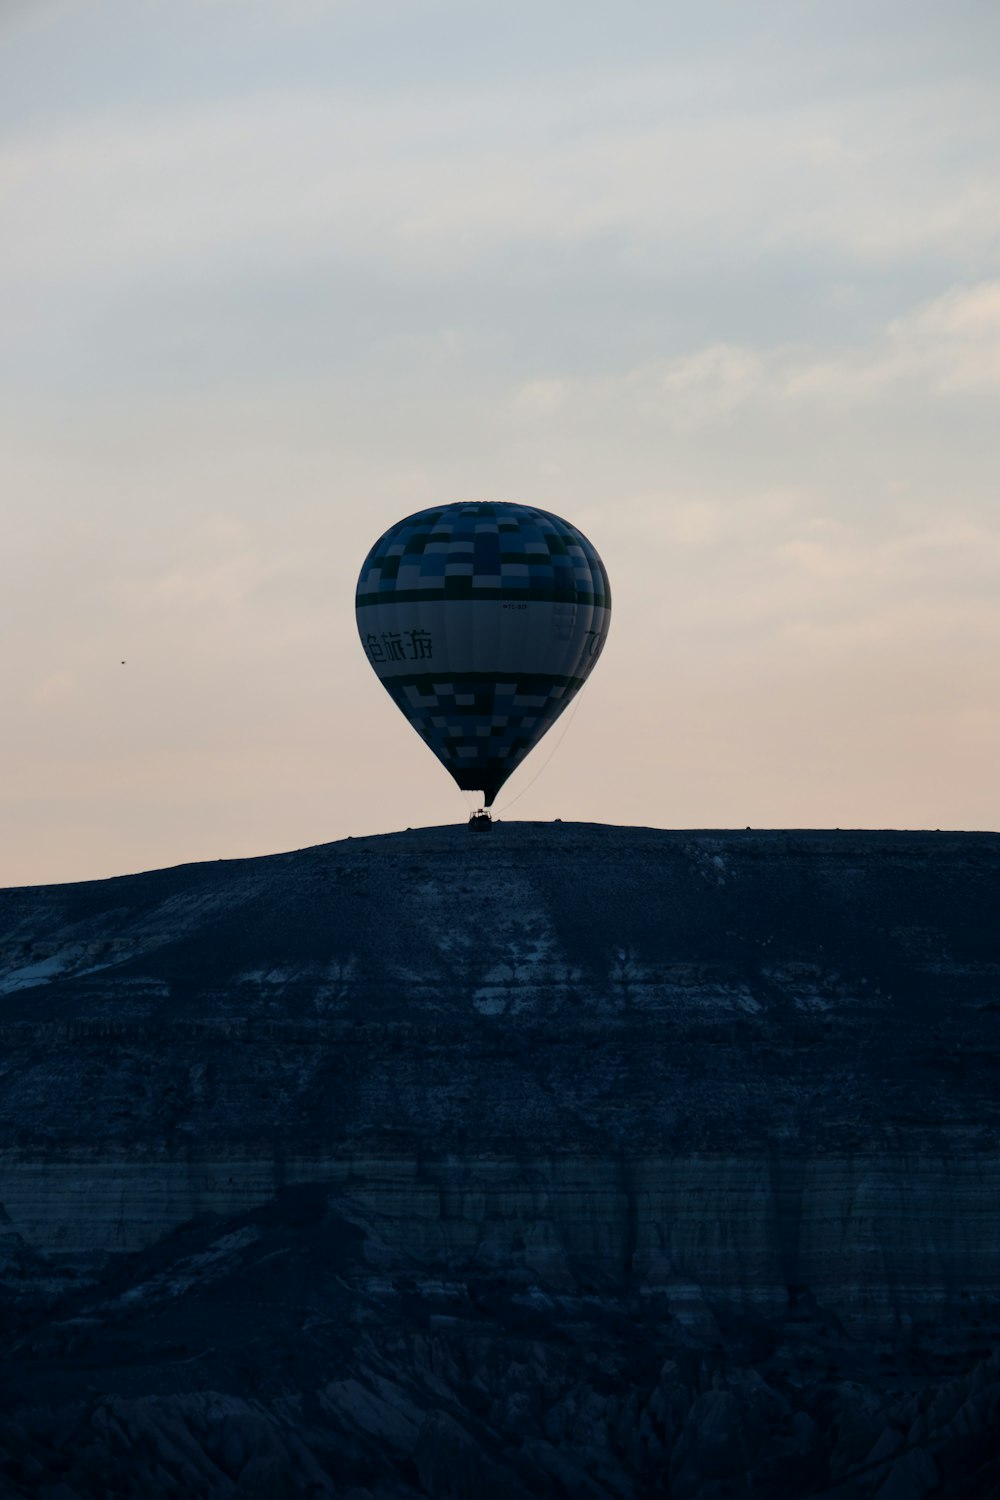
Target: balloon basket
(481, 821)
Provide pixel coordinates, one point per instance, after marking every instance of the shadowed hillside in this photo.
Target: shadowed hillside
(567, 1160)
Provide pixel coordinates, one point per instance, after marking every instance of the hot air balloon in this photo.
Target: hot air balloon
(482, 622)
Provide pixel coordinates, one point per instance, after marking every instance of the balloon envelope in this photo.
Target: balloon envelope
(483, 621)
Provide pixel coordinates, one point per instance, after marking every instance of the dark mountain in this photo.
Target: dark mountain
(565, 1160)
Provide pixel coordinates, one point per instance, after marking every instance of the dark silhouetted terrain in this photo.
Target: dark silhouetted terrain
(563, 1161)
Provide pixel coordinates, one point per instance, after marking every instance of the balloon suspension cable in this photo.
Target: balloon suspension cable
(546, 762)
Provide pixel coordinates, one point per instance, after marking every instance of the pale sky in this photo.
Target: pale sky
(717, 282)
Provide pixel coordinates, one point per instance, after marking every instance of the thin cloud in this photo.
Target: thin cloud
(947, 347)
(431, 184)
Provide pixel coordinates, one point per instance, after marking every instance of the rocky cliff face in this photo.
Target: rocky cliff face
(564, 1160)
